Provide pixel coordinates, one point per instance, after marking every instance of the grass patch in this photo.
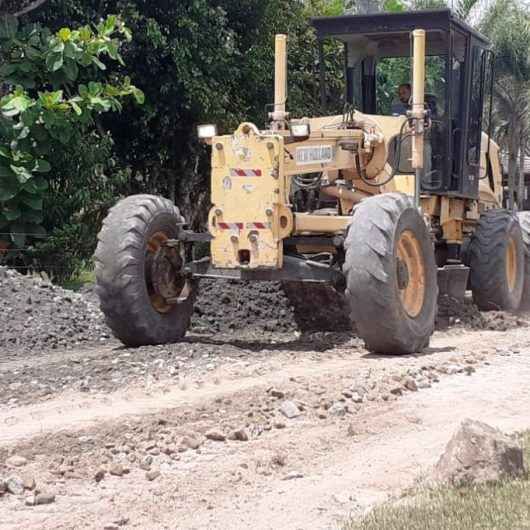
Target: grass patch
(79, 280)
(501, 506)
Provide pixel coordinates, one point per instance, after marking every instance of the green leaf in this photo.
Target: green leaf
(58, 48)
(41, 184)
(112, 49)
(14, 106)
(98, 63)
(5, 151)
(109, 25)
(54, 61)
(139, 96)
(22, 174)
(85, 59)
(34, 202)
(8, 27)
(42, 166)
(11, 213)
(71, 69)
(76, 107)
(32, 54)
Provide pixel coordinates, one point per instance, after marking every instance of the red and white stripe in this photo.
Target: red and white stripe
(258, 226)
(234, 172)
(236, 227)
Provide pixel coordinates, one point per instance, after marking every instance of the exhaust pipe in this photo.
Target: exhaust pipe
(418, 108)
(279, 116)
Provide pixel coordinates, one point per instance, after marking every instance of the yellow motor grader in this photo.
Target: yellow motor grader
(385, 203)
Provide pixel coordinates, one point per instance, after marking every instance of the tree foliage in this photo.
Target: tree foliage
(52, 106)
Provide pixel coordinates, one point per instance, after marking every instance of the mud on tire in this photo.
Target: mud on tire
(496, 258)
(122, 270)
(392, 295)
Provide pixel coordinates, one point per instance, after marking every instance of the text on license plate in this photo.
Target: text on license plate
(315, 154)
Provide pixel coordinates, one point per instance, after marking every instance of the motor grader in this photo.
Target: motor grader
(386, 209)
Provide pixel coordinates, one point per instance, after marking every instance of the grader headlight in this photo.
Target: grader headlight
(206, 132)
(300, 129)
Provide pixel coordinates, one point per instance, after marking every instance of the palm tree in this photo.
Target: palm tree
(508, 26)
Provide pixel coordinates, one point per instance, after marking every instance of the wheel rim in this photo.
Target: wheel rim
(410, 273)
(166, 286)
(511, 264)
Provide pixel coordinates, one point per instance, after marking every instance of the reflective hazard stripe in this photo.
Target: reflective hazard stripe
(245, 172)
(240, 226)
(258, 226)
(231, 226)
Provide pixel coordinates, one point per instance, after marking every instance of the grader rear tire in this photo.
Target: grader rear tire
(391, 275)
(496, 259)
(524, 221)
(134, 275)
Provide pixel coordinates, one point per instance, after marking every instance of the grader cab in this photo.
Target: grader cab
(387, 201)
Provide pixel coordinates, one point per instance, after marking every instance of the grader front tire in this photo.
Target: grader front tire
(135, 278)
(391, 275)
(496, 259)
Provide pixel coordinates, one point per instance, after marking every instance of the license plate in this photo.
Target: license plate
(315, 154)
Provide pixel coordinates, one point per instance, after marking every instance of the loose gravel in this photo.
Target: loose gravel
(39, 316)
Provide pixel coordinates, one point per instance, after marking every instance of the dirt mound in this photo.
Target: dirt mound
(228, 305)
(39, 315)
(452, 312)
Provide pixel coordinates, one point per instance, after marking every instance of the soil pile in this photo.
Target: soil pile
(39, 315)
(465, 314)
(36, 314)
(228, 305)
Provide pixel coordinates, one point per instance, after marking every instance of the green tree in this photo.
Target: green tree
(508, 26)
(200, 61)
(51, 101)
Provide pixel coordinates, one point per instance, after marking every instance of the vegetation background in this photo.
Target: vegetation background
(95, 107)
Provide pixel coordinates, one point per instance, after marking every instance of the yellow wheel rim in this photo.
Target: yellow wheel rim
(511, 264)
(153, 246)
(411, 269)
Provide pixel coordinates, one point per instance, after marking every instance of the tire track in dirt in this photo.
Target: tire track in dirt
(307, 475)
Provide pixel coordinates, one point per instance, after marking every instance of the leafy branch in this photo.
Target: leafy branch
(48, 105)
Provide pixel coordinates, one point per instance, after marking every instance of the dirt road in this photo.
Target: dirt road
(262, 432)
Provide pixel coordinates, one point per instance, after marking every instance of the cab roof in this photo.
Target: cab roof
(345, 26)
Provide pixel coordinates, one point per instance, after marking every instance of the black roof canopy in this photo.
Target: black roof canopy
(430, 20)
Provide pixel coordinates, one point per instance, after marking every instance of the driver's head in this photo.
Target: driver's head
(404, 93)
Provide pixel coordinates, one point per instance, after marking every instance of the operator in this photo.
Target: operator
(401, 107)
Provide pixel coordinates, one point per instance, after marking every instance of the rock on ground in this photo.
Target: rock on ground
(478, 453)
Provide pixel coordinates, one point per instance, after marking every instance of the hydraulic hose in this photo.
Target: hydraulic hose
(362, 172)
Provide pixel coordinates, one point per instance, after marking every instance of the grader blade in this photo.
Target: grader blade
(452, 281)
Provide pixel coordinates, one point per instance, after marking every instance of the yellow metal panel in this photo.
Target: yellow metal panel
(320, 223)
(249, 216)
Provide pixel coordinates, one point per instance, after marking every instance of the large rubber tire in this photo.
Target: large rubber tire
(386, 323)
(121, 283)
(317, 307)
(488, 259)
(524, 221)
